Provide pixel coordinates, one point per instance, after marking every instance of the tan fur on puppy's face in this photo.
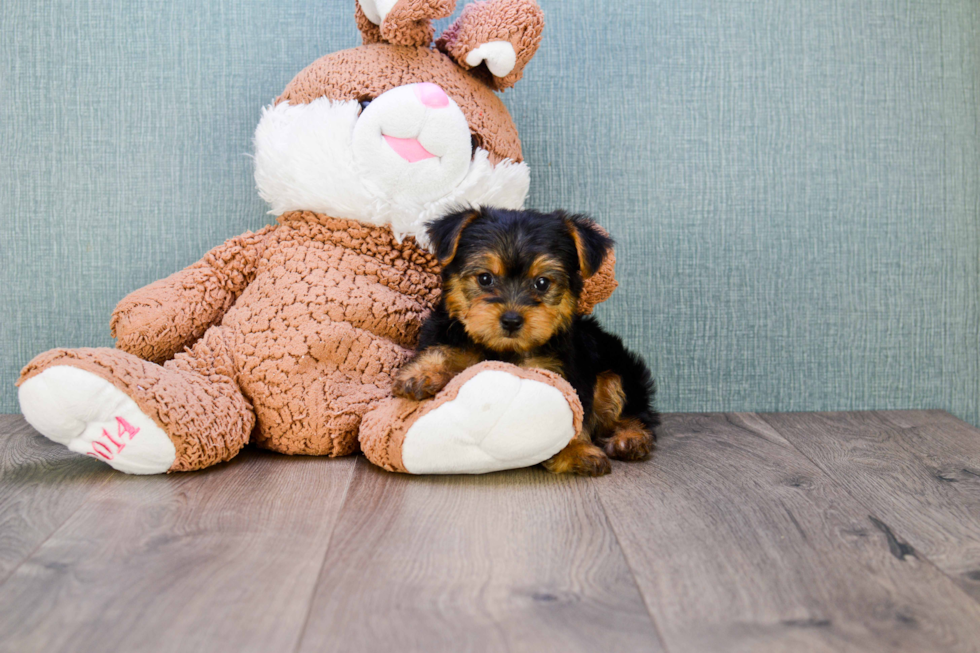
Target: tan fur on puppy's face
(480, 307)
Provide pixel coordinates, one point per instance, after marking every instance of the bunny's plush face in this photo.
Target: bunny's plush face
(412, 143)
(399, 134)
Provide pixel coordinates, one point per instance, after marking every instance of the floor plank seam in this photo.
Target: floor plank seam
(900, 548)
(57, 528)
(629, 563)
(326, 552)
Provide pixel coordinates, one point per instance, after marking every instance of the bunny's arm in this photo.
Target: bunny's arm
(159, 320)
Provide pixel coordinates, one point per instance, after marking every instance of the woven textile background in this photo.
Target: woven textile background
(794, 184)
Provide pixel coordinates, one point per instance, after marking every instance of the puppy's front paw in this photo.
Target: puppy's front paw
(630, 441)
(582, 458)
(418, 384)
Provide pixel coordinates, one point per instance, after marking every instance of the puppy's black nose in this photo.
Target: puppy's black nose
(511, 321)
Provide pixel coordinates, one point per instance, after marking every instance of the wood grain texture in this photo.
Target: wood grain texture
(739, 543)
(222, 559)
(917, 471)
(730, 539)
(515, 561)
(41, 485)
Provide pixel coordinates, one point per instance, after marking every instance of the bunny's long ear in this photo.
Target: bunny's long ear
(501, 35)
(400, 22)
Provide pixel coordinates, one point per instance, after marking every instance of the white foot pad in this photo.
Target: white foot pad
(91, 416)
(497, 421)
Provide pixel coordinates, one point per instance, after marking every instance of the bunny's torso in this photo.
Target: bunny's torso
(333, 310)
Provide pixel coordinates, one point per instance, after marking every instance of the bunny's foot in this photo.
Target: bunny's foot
(491, 417)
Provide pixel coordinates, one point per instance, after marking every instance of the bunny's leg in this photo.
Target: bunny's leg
(491, 417)
(139, 417)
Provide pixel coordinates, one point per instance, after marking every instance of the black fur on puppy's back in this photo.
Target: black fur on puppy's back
(594, 351)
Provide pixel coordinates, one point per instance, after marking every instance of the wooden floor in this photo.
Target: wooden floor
(744, 532)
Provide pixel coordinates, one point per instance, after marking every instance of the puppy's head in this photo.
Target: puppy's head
(513, 278)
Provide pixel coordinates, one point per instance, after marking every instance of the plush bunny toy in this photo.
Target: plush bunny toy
(289, 337)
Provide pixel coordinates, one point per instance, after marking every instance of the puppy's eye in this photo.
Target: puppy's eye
(541, 284)
(364, 104)
(485, 280)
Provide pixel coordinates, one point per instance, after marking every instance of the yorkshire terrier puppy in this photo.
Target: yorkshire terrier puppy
(511, 283)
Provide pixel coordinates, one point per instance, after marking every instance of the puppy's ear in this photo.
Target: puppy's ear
(591, 242)
(444, 233)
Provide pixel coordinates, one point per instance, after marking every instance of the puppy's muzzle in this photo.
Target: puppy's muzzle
(511, 322)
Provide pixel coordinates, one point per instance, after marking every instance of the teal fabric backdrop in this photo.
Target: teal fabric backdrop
(795, 185)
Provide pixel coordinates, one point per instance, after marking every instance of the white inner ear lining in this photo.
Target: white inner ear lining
(499, 55)
(377, 10)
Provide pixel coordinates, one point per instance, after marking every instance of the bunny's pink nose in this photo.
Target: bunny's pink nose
(431, 95)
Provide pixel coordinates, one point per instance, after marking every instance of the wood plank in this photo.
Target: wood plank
(41, 485)
(221, 559)
(739, 543)
(516, 561)
(918, 471)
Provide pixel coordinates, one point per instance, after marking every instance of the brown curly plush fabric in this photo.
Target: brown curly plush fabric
(408, 22)
(519, 22)
(168, 315)
(370, 33)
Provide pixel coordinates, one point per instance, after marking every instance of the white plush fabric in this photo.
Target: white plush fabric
(499, 55)
(444, 132)
(91, 416)
(318, 157)
(377, 10)
(497, 421)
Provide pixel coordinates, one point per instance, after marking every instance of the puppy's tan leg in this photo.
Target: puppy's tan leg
(623, 438)
(549, 363)
(431, 370)
(579, 457)
(607, 404)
